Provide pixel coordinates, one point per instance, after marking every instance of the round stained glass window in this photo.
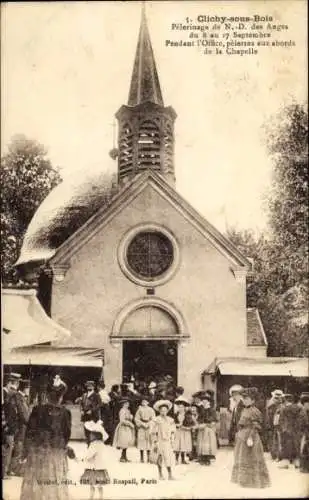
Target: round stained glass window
(150, 254)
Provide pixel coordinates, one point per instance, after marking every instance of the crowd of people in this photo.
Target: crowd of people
(165, 425)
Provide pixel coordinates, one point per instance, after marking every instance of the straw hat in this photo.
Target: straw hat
(93, 426)
(277, 393)
(162, 402)
(181, 401)
(236, 388)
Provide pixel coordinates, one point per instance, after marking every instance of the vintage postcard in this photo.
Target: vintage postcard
(154, 228)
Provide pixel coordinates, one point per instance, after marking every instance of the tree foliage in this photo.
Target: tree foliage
(27, 176)
(279, 286)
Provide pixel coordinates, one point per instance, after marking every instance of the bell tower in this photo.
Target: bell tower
(145, 125)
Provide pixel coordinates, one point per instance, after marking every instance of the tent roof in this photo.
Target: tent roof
(24, 321)
(276, 366)
(56, 356)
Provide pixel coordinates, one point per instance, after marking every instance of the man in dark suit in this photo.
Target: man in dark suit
(238, 405)
(90, 403)
(11, 419)
(23, 412)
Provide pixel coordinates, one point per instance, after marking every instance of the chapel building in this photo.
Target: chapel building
(133, 270)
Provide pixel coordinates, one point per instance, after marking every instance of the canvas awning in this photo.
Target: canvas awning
(24, 321)
(268, 367)
(55, 356)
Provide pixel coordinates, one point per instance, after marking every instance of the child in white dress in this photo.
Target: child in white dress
(124, 436)
(95, 474)
(144, 420)
(163, 435)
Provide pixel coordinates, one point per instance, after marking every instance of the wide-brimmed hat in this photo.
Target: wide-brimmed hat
(198, 394)
(236, 388)
(181, 401)
(277, 393)
(250, 392)
(93, 426)
(152, 385)
(162, 402)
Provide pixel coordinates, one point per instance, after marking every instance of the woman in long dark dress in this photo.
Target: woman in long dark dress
(250, 468)
(48, 432)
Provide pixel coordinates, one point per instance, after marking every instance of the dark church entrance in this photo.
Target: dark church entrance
(149, 360)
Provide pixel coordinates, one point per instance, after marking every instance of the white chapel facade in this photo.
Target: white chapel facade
(146, 278)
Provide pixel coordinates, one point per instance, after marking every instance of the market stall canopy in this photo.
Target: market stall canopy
(56, 356)
(24, 321)
(268, 367)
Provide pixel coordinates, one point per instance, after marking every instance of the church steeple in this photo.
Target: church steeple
(146, 126)
(145, 85)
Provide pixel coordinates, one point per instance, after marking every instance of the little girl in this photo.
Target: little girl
(194, 429)
(183, 438)
(163, 435)
(95, 474)
(125, 431)
(144, 418)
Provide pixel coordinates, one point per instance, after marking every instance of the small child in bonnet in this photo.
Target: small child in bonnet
(95, 474)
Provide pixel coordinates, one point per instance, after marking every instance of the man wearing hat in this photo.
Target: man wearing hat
(238, 405)
(90, 403)
(273, 408)
(10, 416)
(304, 445)
(291, 422)
(23, 413)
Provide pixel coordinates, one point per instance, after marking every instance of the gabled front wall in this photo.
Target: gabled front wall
(203, 289)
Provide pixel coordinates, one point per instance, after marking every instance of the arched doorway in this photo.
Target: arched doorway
(148, 360)
(150, 344)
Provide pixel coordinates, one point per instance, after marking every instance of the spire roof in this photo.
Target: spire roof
(145, 85)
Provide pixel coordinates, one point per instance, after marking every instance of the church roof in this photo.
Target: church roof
(69, 213)
(255, 331)
(145, 85)
(66, 208)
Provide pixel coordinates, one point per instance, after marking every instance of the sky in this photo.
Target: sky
(66, 70)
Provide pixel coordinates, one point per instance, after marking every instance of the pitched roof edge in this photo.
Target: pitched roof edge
(135, 186)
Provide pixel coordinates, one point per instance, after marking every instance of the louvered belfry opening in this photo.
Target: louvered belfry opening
(149, 146)
(146, 136)
(168, 148)
(125, 150)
